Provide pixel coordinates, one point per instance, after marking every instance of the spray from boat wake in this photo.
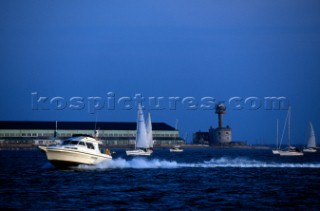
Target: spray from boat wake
(143, 163)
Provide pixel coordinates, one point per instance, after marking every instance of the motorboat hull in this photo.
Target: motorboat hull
(68, 158)
(135, 152)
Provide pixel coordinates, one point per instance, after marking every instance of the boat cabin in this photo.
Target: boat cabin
(85, 143)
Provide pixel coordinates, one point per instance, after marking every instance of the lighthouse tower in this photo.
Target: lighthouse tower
(220, 135)
(220, 110)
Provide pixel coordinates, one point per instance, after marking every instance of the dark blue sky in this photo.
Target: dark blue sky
(220, 49)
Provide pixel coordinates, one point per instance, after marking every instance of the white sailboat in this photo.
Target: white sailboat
(53, 141)
(142, 146)
(176, 148)
(291, 151)
(311, 145)
(57, 140)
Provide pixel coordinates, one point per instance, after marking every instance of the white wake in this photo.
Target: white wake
(142, 163)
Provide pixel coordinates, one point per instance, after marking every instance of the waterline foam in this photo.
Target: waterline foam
(142, 163)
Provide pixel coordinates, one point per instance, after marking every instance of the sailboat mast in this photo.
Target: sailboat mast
(289, 130)
(137, 128)
(55, 132)
(175, 140)
(277, 134)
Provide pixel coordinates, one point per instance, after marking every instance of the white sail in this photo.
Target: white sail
(149, 132)
(141, 138)
(312, 138)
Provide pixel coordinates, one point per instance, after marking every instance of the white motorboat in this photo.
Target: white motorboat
(144, 139)
(80, 149)
(176, 149)
(311, 146)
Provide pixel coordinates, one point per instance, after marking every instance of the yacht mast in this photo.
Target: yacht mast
(277, 134)
(289, 130)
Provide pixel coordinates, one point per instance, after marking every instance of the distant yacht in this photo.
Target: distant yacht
(144, 142)
(176, 148)
(311, 146)
(291, 151)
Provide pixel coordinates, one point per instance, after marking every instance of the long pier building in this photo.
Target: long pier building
(115, 134)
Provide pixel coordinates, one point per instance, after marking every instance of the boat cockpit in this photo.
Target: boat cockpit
(73, 143)
(78, 143)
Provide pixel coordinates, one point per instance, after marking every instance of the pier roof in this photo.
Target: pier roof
(45, 125)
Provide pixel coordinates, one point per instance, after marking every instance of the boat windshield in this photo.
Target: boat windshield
(70, 142)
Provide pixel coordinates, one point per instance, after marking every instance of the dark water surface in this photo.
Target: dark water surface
(211, 179)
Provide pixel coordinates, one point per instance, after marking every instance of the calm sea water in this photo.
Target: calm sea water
(210, 179)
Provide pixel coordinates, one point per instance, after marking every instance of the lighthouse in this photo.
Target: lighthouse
(220, 135)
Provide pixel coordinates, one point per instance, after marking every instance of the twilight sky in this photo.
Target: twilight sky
(75, 52)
